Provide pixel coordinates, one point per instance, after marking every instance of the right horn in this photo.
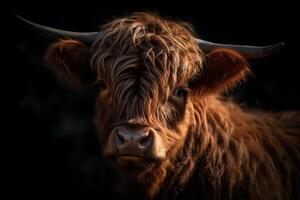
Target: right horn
(244, 50)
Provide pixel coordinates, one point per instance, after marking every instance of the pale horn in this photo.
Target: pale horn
(206, 46)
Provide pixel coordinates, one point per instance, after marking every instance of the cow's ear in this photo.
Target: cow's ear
(71, 61)
(222, 70)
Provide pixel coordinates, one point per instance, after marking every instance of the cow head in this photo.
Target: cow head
(150, 71)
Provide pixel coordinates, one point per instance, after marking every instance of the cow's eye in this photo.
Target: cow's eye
(100, 85)
(180, 91)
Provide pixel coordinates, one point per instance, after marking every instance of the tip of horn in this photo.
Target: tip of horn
(24, 21)
(17, 16)
(274, 48)
(278, 45)
(20, 18)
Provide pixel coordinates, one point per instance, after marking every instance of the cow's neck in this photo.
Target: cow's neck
(236, 147)
(192, 168)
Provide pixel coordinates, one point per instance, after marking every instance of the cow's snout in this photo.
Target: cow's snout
(134, 141)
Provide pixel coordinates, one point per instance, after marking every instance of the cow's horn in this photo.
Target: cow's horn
(52, 33)
(246, 51)
(206, 46)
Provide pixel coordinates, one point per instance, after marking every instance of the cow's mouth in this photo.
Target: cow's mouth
(133, 162)
(129, 158)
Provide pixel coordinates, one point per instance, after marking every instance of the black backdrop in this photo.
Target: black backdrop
(52, 148)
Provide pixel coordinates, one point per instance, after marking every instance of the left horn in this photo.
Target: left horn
(246, 51)
(52, 33)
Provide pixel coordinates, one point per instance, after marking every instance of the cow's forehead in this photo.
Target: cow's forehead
(140, 73)
(141, 80)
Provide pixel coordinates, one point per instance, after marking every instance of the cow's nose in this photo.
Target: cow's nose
(133, 141)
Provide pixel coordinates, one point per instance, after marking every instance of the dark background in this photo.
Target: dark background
(52, 149)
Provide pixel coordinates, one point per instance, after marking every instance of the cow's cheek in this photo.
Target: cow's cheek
(178, 138)
(159, 148)
(103, 123)
(109, 146)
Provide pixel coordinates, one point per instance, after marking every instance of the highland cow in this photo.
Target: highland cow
(161, 117)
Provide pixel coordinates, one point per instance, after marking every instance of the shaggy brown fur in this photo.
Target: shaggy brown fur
(209, 147)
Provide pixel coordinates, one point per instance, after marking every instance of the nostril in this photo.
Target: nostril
(120, 139)
(145, 141)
